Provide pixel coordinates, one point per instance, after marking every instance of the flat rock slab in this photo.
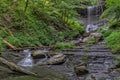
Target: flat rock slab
(95, 68)
(98, 54)
(87, 50)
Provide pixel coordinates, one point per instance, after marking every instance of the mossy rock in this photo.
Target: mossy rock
(57, 59)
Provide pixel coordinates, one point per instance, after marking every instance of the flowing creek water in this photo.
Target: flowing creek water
(97, 58)
(27, 61)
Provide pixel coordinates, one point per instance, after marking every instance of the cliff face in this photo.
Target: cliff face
(97, 10)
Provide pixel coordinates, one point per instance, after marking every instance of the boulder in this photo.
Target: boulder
(80, 70)
(51, 54)
(57, 59)
(39, 54)
(85, 39)
(95, 34)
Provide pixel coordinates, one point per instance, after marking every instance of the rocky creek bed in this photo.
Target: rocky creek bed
(89, 63)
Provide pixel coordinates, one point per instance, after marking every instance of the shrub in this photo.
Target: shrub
(106, 33)
(44, 22)
(114, 25)
(113, 42)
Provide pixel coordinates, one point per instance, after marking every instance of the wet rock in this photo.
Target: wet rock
(77, 41)
(117, 78)
(85, 39)
(51, 54)
(98, 76)
(96, 35)
(44, 75)
(89, 40)
(102, 76)
(80, 69)
(90, 77)
(57, 59)
(39, 54)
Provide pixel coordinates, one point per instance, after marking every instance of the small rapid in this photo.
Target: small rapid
(27, 61)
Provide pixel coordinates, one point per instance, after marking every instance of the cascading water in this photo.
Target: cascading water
(91, 26)
(90, 10)
(27, 61)
(93, 16)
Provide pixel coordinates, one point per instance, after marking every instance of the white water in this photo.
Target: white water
(91, 27)
(27, 61)
(90, 10)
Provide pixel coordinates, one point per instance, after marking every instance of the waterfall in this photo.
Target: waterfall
(91, 19)
(27, 61)
(90, 10)
(93, 16)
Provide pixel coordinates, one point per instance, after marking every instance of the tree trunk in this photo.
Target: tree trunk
(15, 68)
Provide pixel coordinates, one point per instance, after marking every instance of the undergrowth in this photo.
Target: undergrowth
(37, 23)
(113, 42)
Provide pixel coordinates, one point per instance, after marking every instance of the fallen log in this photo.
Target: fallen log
(15, 68)
(31, 48)
(10, 45)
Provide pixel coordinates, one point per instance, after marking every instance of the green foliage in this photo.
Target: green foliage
(113, 3)
(1, 45)
(115, 25)
(63, 45)
(41, 22)
(113, 13)
(113, 42)
(106, 33)
(90, 41)
(113, 10)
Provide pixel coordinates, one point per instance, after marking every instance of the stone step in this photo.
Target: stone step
(90, 47)
(98, 71)
(86, 50)
(91, 54)
(94, 68)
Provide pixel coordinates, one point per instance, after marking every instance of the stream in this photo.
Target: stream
(97, 58)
